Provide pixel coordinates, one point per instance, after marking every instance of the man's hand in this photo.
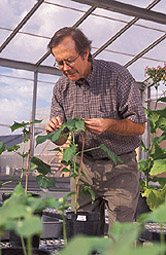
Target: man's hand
(96, 125)
(124, 127)
(53, 124)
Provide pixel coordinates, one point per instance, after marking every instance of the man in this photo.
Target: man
(106, 96)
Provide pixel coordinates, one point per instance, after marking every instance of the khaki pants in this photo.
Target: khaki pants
(115, 187)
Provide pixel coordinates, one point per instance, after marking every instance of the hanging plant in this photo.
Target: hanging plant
(157, 74)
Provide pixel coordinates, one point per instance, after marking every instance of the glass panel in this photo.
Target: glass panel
(25, 48)
(134, 40)
(152, 25)
(15, 97)
(112, 15)
(69, 3)
(138, 68)
(113, 57)
(160, 7)
(158, 52)
(12, 12)
(93, 27)
(4, 35)
(44, 96)
(49, 61)
(49, 18)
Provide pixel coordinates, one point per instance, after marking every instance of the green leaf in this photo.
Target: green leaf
(45, 182)
(18, 190)
(144, 165)
(158, 215)
(42, 138)
(89, 190)
(158, 153)
(2, 147)
(159, 139)
(65, 170)
(119, 230)
(162, 99)
(70, 124)
(143, 147)
(69, 152)
(53, 136)
(30, 226)
(159, 166)
(13, 148)
(18, 125)
(162, 123)
(80, 125)
(86, 245)
(153, 117)
(22, 124)
(40, 166)
(153, 198)
(110, 154)
(75, 124)
(57, 135)
(163, 191)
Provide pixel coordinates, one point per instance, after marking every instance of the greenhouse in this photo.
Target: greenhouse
(133, 35)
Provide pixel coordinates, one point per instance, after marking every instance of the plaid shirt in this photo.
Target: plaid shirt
(110, 92)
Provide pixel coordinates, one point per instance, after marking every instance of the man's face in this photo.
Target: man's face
(70, 62)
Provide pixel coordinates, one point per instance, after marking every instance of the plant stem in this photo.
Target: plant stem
(29, 245)
(75, 172)
(80, 167)
(162, 238)
(23, 245)
(23, 150)
(28, 159)
(64, 229)
(0, 247)
(95, 148)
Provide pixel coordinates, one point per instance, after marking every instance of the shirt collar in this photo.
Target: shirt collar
(89, 80)
(92, 75)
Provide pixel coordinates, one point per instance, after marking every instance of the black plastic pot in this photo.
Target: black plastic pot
(52, 226)
(17, 251)
(85, 223)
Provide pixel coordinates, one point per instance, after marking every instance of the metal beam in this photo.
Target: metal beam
(29, 67)
(126, 9)
(33, 113)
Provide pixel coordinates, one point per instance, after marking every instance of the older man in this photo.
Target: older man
(106, 96)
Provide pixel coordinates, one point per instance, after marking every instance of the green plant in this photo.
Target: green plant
(157, 74)
(156, 162)
(70, 153)
(32, 163)
(123, 236)
(18, 213)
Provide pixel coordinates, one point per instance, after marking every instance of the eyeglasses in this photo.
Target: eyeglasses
(68, 62)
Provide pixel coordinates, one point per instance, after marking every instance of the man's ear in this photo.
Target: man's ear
(86, 54)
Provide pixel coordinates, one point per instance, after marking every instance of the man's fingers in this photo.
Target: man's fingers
(53, 124)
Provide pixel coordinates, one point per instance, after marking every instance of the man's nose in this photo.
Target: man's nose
(66, 67)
